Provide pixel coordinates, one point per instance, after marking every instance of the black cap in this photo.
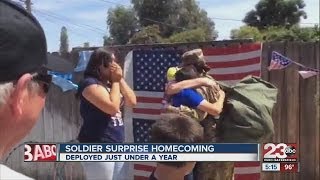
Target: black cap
(23, 47)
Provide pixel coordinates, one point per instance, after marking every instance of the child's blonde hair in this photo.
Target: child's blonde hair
(171, 73)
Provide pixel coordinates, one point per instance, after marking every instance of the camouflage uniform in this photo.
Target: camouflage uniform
(208, 170)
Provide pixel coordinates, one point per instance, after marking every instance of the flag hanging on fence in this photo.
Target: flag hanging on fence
(145, 72)
(308, 74)
(278, 61)
(63, 80)
(84, 57)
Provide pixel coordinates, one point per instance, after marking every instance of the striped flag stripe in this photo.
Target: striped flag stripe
(231, 49)
(149, 94)
(246, 170)
(145, 116)
(233, 57)
(232, 70)
(141, 105)
(255, 60)
(246, 164)
(143, 167)
(234, 76)
(148, 107)
(147, 111)
(149, 100)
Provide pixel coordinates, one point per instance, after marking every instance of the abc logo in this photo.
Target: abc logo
(38, 152)
(281, 151)
(290, 151)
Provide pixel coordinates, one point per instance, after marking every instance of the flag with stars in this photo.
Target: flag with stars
(148, 80)
(278, 61)
(145, 71)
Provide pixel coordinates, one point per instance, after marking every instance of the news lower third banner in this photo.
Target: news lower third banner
(141, 152)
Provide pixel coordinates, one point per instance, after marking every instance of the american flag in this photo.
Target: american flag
(145, 71)
(308, 74)
(278, 61)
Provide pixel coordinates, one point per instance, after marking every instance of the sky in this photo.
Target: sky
(86, 19)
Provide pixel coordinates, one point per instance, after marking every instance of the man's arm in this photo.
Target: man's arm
(195, 100)
(175, 88)
(213, 108)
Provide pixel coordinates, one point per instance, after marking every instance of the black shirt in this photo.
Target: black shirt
(98, 126)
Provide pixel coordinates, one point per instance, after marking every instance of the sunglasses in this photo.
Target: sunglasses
(44, 80)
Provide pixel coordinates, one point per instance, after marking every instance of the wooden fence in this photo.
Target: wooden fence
(296, 118)
(296, 114)
(59, 122)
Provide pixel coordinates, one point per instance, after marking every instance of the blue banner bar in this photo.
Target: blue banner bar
(159, 148)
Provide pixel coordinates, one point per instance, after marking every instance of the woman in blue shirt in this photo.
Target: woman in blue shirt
(101, 92)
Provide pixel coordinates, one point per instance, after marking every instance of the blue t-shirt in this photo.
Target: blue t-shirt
(98, 126)
(187, 97)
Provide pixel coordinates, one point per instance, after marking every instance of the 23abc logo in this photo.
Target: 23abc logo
(281, 151)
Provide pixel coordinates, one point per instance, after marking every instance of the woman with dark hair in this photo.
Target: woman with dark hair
(100, 94)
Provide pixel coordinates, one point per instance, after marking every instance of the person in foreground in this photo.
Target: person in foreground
(100, 94)
(23, 86)
(175, 128)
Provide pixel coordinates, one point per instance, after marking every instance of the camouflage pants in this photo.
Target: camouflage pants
(213, 170)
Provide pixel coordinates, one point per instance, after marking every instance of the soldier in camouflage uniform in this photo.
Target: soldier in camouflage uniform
(205, 170)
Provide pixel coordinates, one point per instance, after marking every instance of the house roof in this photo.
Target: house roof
(59, 64)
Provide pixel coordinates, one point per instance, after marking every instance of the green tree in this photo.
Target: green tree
(276, 13)
(122, 24)
(295, 33)
(108, 41)
(148, 35)
(174, 16)
(170, 16)
(195, 35)
(246, 32)
(64, 42)
(156, 12)
(277, 34)
(310, 34)
(191, 16)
